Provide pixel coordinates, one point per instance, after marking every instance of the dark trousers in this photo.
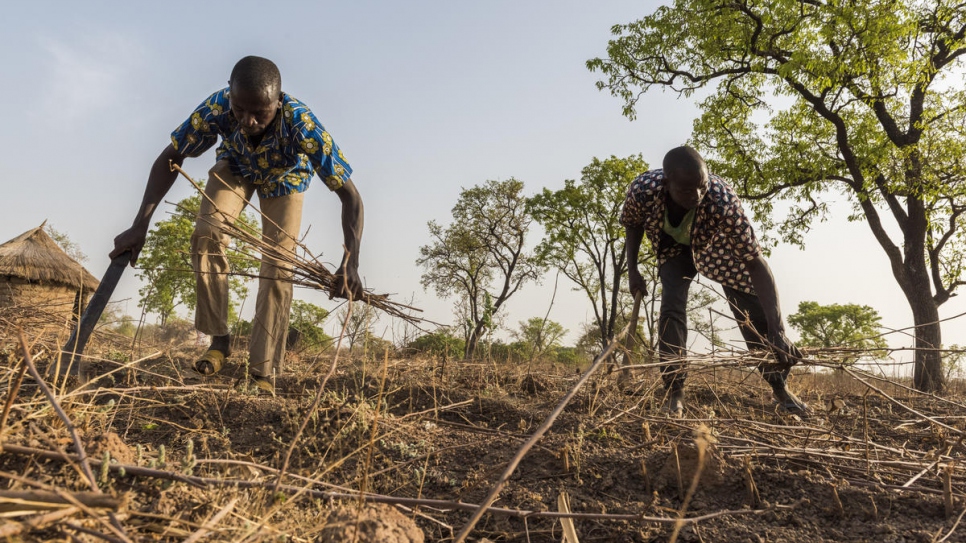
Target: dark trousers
(676, 275)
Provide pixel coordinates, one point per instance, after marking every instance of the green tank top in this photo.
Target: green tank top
(682, 232)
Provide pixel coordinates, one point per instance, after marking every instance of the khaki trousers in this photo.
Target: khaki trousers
(282, 218)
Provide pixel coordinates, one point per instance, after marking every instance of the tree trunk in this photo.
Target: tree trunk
(913, 278)
(473, 341)
(927, 372)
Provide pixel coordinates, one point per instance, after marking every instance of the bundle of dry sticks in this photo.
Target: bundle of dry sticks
(307, 270)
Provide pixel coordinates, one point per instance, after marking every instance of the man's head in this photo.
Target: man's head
(256, 93)
(686, 176)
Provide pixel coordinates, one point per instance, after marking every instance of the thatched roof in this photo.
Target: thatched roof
(35, 256)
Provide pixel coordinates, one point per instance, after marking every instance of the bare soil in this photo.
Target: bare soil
(867, 466)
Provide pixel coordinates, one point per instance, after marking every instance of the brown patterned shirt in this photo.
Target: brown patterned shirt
(722, 239)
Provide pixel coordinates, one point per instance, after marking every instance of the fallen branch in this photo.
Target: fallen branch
(39, 500)
(441, 505)
(115, 526)
(544, 427)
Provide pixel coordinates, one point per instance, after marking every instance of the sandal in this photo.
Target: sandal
(211, 363)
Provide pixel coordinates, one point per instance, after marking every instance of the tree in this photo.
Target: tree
(862, 98)
(482, 255)
(585, 240)
(357, 320)
(72, 249)
(538, 336)
(306, 321)
(839, 325)
(165, 262)
(441, 343)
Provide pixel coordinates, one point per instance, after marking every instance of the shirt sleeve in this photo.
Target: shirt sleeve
(634, 212)
(200, 132)
(736, 226)
(326, 157)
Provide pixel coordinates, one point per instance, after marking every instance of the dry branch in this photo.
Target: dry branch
(307, 271)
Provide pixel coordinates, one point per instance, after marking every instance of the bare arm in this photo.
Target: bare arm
(352, 224)
(159, 183)
(764, 283)
(632, 248)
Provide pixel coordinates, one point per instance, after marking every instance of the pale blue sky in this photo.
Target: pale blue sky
(424, 97)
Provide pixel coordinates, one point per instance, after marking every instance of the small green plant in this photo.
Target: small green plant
(105, 468)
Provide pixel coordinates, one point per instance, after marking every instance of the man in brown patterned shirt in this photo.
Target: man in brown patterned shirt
(695, 224)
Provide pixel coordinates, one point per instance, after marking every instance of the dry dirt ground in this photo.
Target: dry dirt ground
(425, 436)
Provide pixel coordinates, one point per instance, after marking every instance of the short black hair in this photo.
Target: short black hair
(256, 74)
(683, 160)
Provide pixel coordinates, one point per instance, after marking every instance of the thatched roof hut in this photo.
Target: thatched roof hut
(36, 273)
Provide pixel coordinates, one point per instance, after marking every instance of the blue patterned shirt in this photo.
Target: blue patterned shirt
(293, 147)
(722, 239)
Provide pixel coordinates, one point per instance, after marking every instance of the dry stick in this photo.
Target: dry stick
(11, 396)
(902, 405)
(316, 274)
(205, 482)
(32, 500)
(13, 528)
(315, 401)
(81, 453)
(69, 498)
(953, 529)
(703, 439)
(629, 340)
(87, 386)
(494, 492)
(364, 486)
(921, 473)
(947, 476)
(913, 390)
(88, 531)
(209, 525)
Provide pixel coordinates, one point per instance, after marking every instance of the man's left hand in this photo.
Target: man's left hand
(786, 353)
(347, 284)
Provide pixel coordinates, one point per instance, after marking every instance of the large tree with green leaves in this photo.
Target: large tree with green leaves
(584, 238)
(809, 98)
(165, 262)
(482, 255)
(856, 327)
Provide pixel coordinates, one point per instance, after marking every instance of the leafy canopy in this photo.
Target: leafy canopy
(806, 100)
(584, 238)
(851, 326)
(482, 256)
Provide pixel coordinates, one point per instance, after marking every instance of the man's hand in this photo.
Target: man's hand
(132, 240)
(636, 282)
(347, 283)
(786, 353)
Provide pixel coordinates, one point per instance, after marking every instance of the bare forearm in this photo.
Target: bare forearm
(160, 180)
(353, 220)
(632, 246)
(764, 283)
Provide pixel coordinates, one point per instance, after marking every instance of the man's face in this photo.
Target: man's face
(687, 189)
(254, 110)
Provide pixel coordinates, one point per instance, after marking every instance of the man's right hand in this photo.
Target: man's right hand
(132, 240)
(636, 282)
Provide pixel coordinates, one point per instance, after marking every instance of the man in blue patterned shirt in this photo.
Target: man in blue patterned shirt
(695, 223)
(271, 144)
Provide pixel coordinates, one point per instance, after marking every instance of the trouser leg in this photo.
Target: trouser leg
(753, 325)
(226, 198)
(676, 275)
(282, 219)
